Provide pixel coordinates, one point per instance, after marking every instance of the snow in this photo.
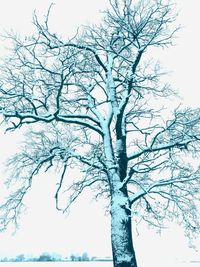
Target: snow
(56, 264)
(96, 264)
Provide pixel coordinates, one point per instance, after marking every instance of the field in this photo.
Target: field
(92, 264)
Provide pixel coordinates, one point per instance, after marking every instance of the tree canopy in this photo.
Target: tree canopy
(98, 99)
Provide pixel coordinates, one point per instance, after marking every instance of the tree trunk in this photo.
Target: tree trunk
(121, 232)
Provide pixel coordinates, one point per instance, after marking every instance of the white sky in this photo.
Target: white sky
(86, 228)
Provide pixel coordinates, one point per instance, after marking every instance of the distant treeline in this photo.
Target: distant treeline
(47, 257)
(42, 257)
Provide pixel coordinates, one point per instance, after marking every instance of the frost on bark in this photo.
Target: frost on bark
(95, 103)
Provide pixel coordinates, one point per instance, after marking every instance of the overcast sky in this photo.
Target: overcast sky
(86, 228)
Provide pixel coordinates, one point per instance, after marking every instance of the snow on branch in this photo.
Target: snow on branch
(96, 103)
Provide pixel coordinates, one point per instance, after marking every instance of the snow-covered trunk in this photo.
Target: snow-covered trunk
(116, 164)
(121, 231)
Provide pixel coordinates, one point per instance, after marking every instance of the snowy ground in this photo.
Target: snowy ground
(94, 264)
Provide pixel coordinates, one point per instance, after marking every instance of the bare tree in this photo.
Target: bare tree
(97, 99)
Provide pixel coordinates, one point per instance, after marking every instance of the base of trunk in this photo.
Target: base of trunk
(124, 264)
(121, 232)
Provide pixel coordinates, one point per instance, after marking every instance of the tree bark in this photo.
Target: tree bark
(121, 231)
